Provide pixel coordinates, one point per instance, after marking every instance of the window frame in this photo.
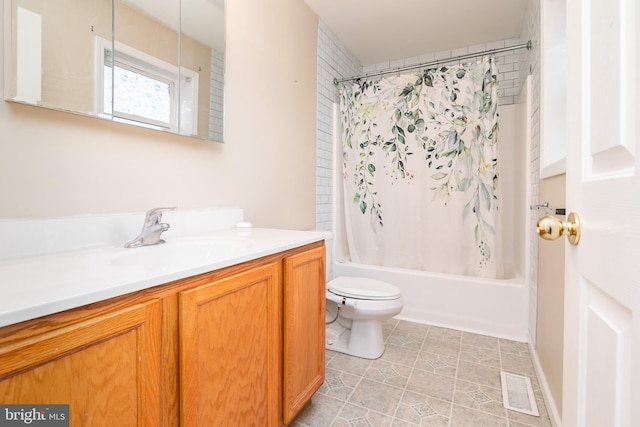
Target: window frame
(183, 85)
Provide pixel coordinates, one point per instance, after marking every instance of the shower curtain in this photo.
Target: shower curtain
(420, 157)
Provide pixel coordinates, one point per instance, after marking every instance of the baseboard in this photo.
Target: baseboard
(552, 409)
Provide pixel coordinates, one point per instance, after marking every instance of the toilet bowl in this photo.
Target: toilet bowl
(356, 308)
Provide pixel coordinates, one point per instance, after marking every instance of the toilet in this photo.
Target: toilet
(356, 307)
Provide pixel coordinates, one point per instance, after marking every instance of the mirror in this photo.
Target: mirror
(152, 63)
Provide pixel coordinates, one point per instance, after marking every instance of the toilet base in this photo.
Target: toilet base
(364, 339)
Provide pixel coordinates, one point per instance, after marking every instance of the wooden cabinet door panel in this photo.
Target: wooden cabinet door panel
(304, 329)
(106, 368)
(229, 346)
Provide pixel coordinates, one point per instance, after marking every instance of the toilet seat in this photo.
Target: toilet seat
(363, 288)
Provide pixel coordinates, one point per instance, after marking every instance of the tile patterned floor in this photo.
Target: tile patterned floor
(427, 376)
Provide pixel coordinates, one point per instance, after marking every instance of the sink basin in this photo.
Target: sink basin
(183, 253)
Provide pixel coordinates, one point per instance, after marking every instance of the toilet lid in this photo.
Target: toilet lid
(363, 288)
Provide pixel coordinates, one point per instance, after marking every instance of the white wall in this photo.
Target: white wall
(59, 164)
(553, 70)
(530, 64)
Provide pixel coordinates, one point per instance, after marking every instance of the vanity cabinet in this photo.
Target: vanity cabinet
(107, 367)
(304, 329)
(229, 350)
(243, 345)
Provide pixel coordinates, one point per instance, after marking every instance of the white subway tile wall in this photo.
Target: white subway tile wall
(530, 64)
(334, 61)
(216, 103)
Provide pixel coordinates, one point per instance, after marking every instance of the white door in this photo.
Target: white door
(602, 290)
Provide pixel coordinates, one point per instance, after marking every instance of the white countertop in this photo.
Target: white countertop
(36, 286)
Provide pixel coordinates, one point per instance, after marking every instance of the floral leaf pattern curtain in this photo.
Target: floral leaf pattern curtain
(420, 159)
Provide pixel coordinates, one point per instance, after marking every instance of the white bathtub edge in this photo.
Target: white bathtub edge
(488, 307)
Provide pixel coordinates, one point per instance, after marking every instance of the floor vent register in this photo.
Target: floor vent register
(517, 394)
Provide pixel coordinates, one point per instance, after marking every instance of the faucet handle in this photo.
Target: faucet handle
(155, 215)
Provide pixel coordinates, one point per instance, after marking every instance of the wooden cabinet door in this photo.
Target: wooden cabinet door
(106, 368)
(304, 329)
(229, 350)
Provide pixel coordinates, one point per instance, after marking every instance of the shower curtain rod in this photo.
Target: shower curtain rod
(526, 45)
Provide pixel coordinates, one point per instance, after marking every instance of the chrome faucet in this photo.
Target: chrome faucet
(151, 230)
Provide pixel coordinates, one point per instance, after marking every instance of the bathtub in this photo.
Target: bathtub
(497, 308)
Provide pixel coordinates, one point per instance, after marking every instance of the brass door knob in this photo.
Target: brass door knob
(551, 228)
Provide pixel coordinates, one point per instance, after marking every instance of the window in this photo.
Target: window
(141, 89)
